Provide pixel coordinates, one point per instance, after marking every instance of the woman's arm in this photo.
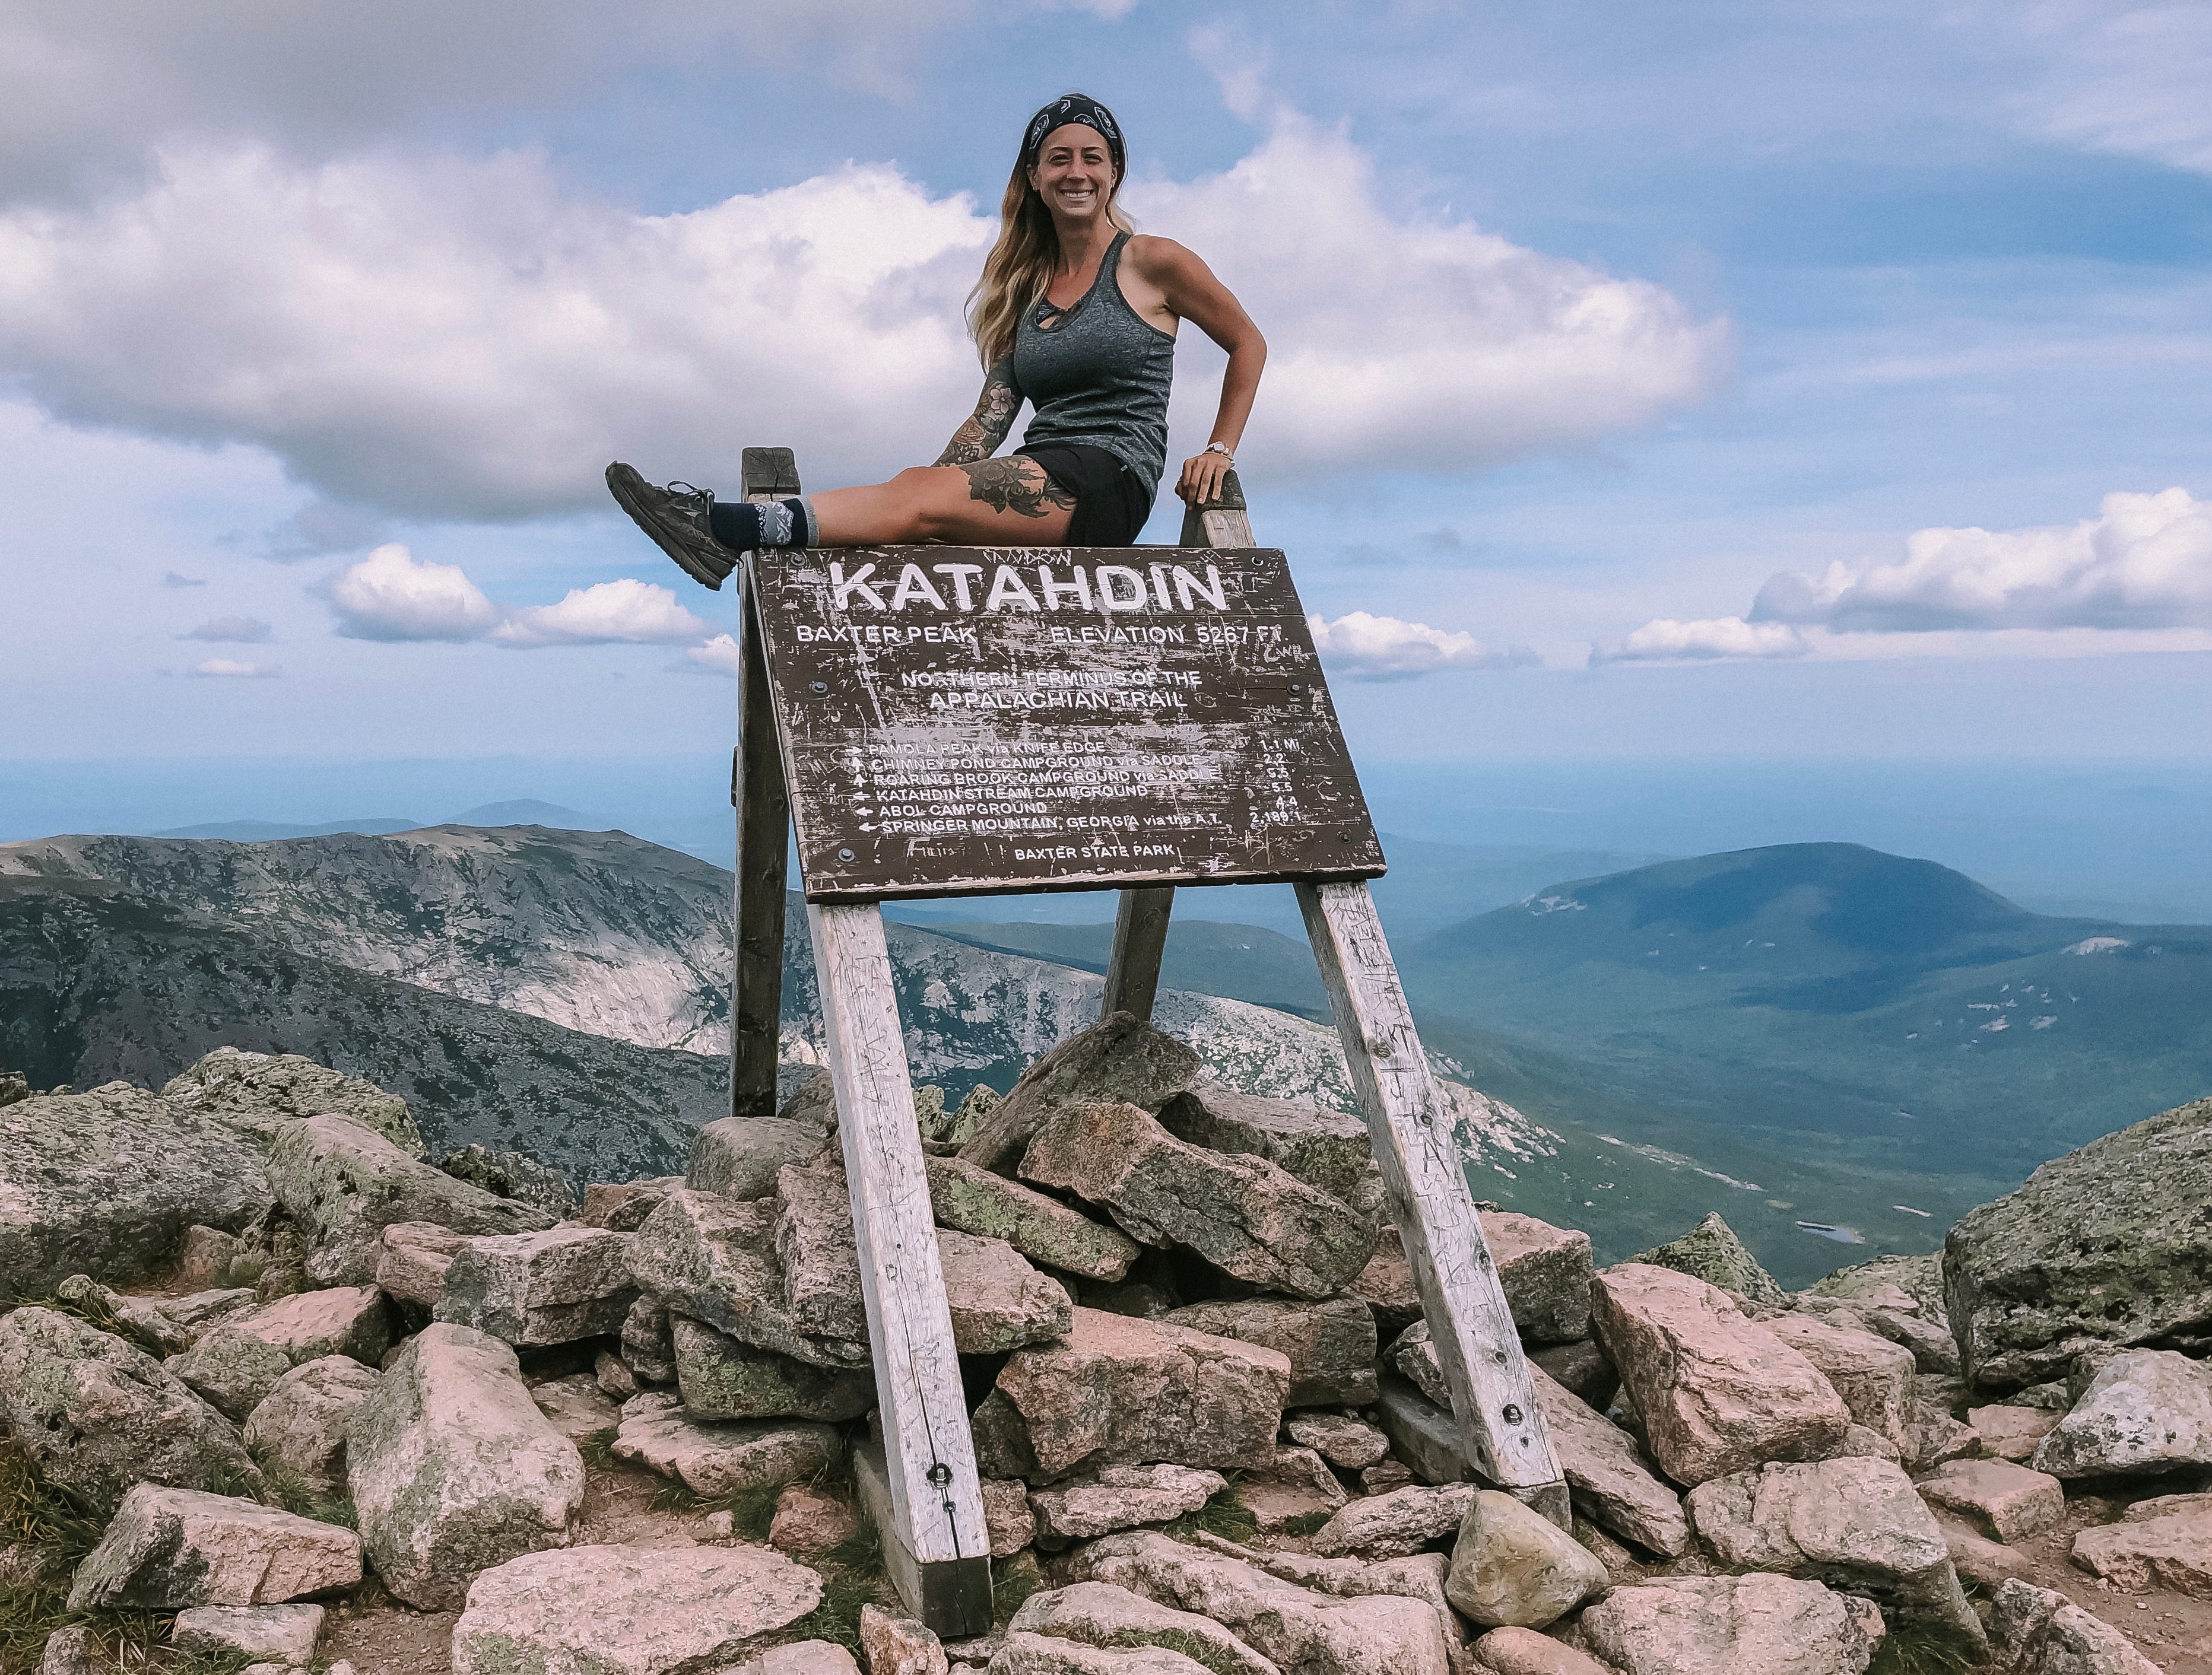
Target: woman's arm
(1189, 290)
(987, 426)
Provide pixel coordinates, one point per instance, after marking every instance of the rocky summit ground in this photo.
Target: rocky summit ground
(284, 1388)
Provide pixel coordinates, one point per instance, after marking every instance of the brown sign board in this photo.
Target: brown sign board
(977, 721)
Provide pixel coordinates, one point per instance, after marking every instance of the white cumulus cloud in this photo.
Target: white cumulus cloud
(624, 612)
(1419, 341)
(223, 668)
(719, 656)
(2144, 561)
(1366, 648)
(391, 595)
(1665, 641)
(469, 338)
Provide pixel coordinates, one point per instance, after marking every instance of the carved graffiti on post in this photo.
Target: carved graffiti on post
(961, 720)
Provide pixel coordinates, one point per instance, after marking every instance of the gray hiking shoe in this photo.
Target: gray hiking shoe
(678, 519)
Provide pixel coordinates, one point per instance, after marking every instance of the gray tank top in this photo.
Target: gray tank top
(1098, 373)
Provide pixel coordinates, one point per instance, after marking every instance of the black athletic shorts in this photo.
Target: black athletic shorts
(1111, 504)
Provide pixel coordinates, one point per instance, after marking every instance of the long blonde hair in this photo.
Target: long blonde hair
(1020, 266)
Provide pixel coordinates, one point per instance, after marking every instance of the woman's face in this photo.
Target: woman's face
(1074, 172)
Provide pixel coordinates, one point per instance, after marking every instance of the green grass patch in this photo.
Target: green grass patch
(599, 1448)
(1011, 1583)
(851, 1577)
(1912, 1648)
(1306, 1522)
(670, 1496)
(751, 1510)
(94, 1310)
(283, 1487)
(1225, 1515)
(45, 1525)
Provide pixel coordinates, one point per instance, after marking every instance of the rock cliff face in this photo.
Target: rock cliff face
(619, 943)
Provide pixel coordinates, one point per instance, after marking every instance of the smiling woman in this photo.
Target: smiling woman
(1075, 314)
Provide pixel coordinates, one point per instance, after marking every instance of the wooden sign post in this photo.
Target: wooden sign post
(945, 721)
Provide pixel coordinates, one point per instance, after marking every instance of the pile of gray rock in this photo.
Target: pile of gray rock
(1213, 1431)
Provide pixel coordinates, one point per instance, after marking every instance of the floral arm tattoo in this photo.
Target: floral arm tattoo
(987, 426)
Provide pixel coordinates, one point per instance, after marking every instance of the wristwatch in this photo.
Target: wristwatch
(1216, 447)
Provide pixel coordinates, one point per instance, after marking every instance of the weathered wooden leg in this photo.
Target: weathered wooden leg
(1140, 937)
(935, 1545)
(1223, 522)
(1501, 1426)
(763, 806)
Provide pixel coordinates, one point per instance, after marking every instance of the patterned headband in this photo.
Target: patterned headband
(1074, 107)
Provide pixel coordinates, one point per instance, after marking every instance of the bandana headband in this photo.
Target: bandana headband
(1077, 108)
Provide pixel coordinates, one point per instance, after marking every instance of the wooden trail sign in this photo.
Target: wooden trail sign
(958, 721)
(945, 721)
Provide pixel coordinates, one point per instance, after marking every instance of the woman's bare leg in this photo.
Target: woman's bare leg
(1005, 502)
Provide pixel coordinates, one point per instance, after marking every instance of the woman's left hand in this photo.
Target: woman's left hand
(1200, 485)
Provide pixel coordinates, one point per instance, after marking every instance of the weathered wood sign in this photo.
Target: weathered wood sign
(959, 721)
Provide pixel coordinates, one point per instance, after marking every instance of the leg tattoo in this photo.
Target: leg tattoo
(1018, 485)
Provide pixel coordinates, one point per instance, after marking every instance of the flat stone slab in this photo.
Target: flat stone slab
(1716, 1393)
(302, 1423)
(1050, 1654)
(271, 1634)
(2009, 1500)
(2173, 1551)
(972, 1200)
(2010, 1433)
(740, 1156)
(1120, 1390)
(717, 1261)
(1704, 1625)
(724, 1377)
(411, 1260)
(169, 1548)
(1330, 1345)
(1341, 1439)
(552, 1287)
(576, 1405)
(1100, 1614)
(1246, 1216)
(2143, 1412)
(1546, 1272)
(628, 1611)
(340, 1320)
(1383, 1527)
(1120, 1497)
(1512, 1651)
(1875, 1376)
(999, 1303)
(1327, 1150)
(713, 1459)
(1119, 1058)
(1608, 1477)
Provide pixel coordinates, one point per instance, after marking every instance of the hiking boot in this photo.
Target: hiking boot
(678, 518)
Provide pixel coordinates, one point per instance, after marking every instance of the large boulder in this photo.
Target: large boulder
(2107, 1245)
(973, 1199)
(512, 1174)
(1711, 1252)
(259, 1092)
(300, 1425)
(2039, 1631)
(339, 1320)
(345, 1184)
(2166, 1542)
(1607, 1477)
(998, 1302)
(1296, 1627)
(716, 1259)
(1119, 1497)
(1344, 1440)
(1512, 1566)
(713, 1459)
(740, 1156)
(453, 1469)
(1330, 1345)
(412, 1259)
(628, 1611)
(1873, 1375)
(1120, 1390)
(231, 1369)
(1701, 1625)
(98, 1416)
(1324, 1148)
(2144, 1411)
(105, 1183)
(1854, 1524)
(529, 1288)
(1247, 1216)
(1546, 1272)
(282, 1635)
(2009, 1500)
(1025, 1653)
(1099, 1614)
(1715, 1392)
(166, 1549)
(723, 1377)
(1119, 1058)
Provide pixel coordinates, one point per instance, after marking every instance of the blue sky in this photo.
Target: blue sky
(1589, 321)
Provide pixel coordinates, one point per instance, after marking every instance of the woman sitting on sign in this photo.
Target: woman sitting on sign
(1074, 314)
